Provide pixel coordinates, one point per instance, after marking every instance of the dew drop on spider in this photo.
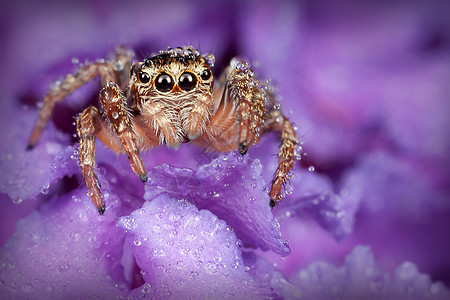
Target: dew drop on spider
(289, 189)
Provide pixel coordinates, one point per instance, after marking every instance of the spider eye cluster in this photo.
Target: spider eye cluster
(165, 82)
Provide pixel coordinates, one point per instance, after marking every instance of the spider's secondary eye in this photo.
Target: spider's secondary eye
(163, 82)
(206, 74)
(187, 81)
(144, 77)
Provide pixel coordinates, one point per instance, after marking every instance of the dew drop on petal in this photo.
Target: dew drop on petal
(193, 274)
(17, 200)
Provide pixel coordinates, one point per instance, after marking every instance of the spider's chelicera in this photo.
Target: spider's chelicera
(174, 100)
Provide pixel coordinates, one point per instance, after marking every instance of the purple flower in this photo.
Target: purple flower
(365, 215)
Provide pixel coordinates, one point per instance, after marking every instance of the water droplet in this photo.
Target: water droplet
(64, 267)
(17, 200)
(311, 168)
(28, 288)
(288, 189)
(55, 84)
(45, 188)
(115, 114)
(146, 289)
(137, 243)
(129, 223)
(75, 60)
(193, 274)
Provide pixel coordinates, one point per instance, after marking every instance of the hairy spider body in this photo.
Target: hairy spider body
(173, 100)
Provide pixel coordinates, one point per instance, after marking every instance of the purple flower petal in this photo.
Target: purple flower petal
(266, 273)
(65, 249)
(361, 278)
(315, 195)
(396, 186)
(184, 252)
(25, 173)
(232, 188)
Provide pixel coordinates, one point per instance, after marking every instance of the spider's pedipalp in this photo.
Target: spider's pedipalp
(197, 116)
(113, 103)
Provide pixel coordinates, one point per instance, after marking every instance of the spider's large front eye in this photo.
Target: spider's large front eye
(144, 77)
(164, 82)
(187, 81)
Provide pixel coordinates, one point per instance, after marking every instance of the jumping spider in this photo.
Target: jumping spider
(173, 100)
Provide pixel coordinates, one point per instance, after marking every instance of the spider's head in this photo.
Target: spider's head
(173, 73)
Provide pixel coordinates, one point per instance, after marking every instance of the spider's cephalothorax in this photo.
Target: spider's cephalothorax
(174, 90)
(172, 99)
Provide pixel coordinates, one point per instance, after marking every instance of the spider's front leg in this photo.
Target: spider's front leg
(88, 126)
(246, 103)
(121, 138)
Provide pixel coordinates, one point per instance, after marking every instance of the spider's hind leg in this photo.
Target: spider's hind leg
(113, 70)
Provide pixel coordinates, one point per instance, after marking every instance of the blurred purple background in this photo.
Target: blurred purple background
(367, 84)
